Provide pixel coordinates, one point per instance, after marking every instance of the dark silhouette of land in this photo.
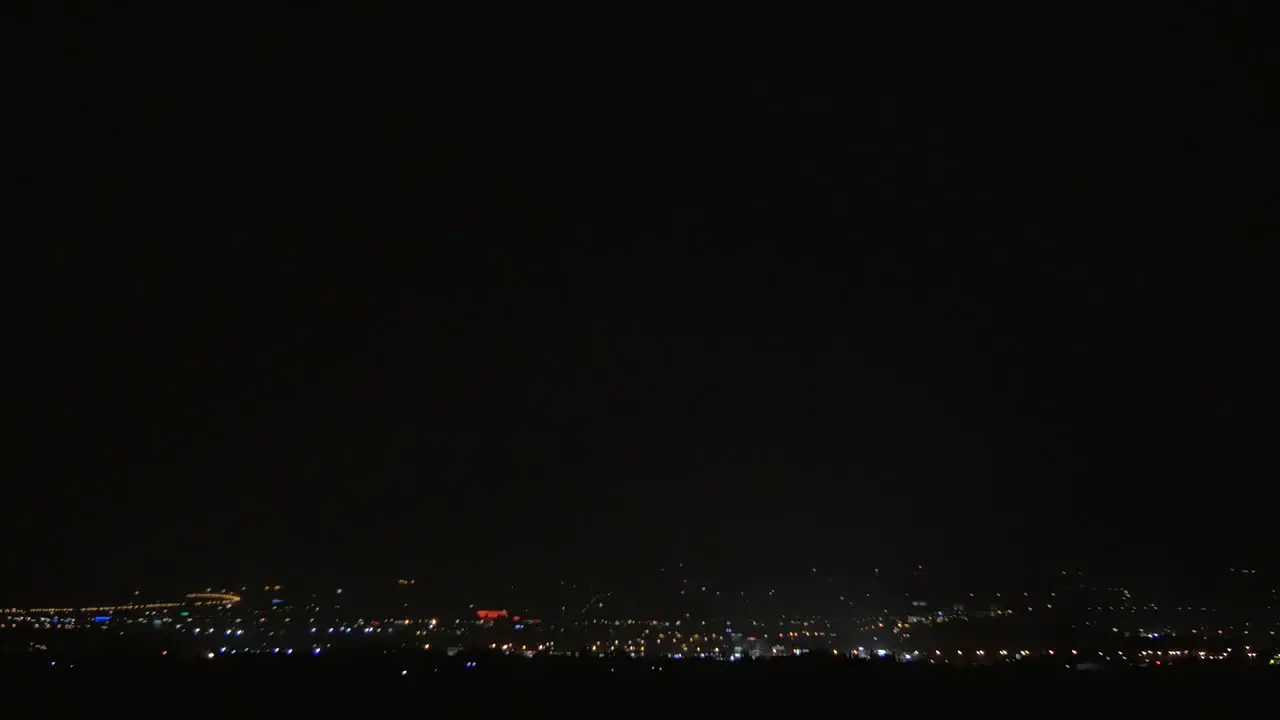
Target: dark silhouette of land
(491, 682)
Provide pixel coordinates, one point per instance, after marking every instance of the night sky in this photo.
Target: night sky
(513, 298)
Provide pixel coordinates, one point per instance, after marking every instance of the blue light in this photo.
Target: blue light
(102, 618)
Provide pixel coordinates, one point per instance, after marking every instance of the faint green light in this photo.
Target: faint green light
(184, 613)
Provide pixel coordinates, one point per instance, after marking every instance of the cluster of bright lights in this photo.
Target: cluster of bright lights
(219, 597)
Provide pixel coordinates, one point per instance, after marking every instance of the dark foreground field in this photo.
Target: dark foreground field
(352, 685)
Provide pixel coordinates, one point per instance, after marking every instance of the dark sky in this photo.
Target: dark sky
(511, 298)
